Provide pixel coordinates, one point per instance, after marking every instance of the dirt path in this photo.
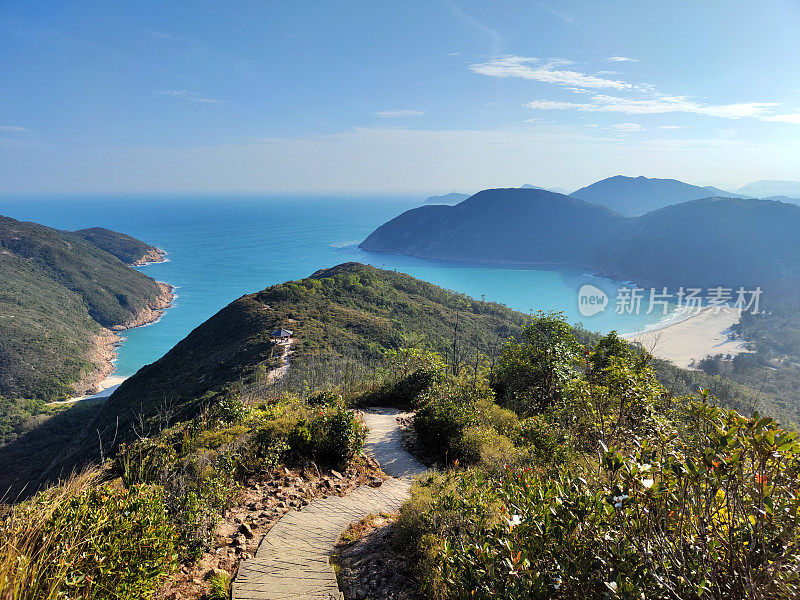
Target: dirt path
(288, 350)
(292, 562)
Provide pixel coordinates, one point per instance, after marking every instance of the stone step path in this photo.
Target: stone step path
(292, 562)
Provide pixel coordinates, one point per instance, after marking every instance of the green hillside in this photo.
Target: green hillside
(126, 248)
(59, 291)
(351, 311)
(344, 319)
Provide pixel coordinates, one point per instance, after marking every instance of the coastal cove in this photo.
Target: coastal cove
(269, 240)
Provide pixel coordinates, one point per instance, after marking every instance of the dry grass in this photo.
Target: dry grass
(26, 553)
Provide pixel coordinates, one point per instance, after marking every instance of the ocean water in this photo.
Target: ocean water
(223, 247)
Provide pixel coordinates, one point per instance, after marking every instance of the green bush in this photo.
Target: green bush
(329, 434)
(227, 411)
(337, 436)
(411, 375)
(533, 375)
(440, 427)
(300, 440)
(485, 446)
(546, 443)
(705, 509)
(324, 398)
(82, 541)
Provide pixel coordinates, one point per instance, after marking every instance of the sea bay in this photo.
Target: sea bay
(221, 247)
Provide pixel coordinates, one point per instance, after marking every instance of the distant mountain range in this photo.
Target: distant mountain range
(455, 197)
(451, 198)
(772, 189)
(705, 242)
(633, 196)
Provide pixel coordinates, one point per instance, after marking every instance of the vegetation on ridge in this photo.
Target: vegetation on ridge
(599, 484)
(569, 469)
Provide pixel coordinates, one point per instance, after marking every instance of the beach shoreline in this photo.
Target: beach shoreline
(102, 382)
(691, 338)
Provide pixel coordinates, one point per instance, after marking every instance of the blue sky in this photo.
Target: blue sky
(401, 97)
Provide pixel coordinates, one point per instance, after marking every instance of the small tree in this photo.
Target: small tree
(533, 374)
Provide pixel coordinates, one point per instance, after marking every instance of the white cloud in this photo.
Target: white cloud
(189, 96)
(394, 114)
(12, 128)
(621, 59)
(650, 102)
(659, 105)
(790, 118)
(554, 105)
(536, 69)
(628, 127)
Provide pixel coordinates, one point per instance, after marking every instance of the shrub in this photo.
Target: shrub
(533, 375)
(707, 509)
(300, 440)
(547, 444)
(412, 374)
(712, 512)
(337, 436)
(77, 540)
(440, 427)
(324, 398)
(485, 446)
(227, 411)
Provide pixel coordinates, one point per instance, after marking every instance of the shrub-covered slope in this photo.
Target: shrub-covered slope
(126, 248)
(349, 314)
(349, 311)
(59, 291)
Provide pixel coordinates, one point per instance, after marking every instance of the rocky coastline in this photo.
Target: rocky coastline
(106, 343)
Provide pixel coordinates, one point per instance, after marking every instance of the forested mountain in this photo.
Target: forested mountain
(126, 248)
(632, 196)
(61, 295)
(707, 242)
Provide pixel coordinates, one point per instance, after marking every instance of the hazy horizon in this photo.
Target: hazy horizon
(423, 98)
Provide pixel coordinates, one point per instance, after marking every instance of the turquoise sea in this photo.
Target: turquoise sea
(223, 247)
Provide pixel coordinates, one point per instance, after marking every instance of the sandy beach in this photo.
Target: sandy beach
(693, 338)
